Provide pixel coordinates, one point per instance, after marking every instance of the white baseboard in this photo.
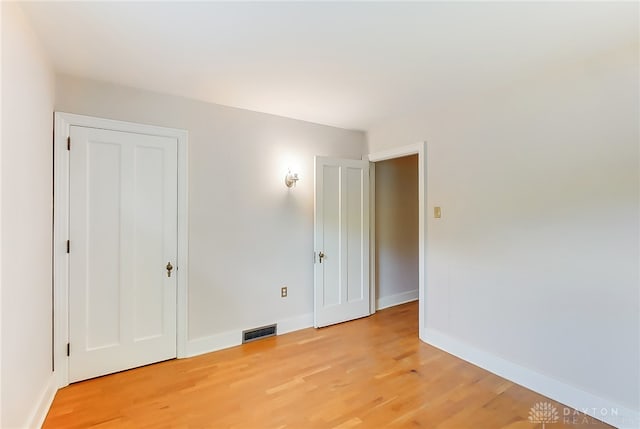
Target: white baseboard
(397, 299)
(233, 338)
(296, 323)
(43, 403)
(587, 403)
(212, 343)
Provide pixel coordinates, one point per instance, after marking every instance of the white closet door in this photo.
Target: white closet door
(123, 237)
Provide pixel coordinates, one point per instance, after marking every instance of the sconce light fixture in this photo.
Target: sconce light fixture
(290, 179)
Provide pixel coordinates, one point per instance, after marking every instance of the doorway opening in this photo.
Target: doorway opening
(420, 151)
(396, 213)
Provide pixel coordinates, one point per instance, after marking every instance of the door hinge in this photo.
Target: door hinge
(68, 349)
(68, 142)
(68, 245)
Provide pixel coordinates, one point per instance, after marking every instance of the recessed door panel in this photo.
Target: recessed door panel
(355, 231)
(103, 243)
(331, 215)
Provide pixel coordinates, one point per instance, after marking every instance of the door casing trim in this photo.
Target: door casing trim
(61, 229)
(421, 150)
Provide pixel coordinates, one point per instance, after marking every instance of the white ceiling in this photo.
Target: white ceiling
(342, 64)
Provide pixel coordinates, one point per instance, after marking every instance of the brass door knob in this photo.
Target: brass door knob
(169, 268)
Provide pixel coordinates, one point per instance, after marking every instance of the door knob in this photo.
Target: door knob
(169, 268)
(321, 256)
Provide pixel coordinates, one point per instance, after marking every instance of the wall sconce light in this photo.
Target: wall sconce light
(290, 179)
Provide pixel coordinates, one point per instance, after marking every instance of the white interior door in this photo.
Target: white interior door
(341, 274)
(123, 235)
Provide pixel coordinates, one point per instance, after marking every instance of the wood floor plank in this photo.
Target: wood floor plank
(369, 373)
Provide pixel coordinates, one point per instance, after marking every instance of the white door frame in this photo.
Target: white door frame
(419, 149)
(61, 229)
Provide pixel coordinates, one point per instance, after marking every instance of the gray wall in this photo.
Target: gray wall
(248, 234)
(26, 380)
(535, 259)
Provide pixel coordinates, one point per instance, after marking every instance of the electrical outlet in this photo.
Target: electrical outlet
(283, 292)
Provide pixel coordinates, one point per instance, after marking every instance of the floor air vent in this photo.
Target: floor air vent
(259, 333)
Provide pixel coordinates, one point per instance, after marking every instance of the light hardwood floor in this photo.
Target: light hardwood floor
(369, 373)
